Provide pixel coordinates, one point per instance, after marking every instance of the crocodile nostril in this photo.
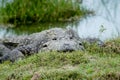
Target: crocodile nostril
(71, 37)
(80, 44)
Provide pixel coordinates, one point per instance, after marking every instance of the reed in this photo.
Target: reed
(31, 11)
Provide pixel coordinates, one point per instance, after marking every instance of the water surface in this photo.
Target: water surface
(106, 15)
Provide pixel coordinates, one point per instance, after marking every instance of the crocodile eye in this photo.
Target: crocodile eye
(54, 38)
(45, 45)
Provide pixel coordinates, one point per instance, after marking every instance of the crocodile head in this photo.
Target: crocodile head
(65, 41)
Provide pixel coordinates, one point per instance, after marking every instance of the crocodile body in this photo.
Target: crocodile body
(56, 39)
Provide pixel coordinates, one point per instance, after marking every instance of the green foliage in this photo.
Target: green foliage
(102, 29)
(30, 11)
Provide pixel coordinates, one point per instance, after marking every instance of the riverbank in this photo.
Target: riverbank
(94, 63)
(29, 11)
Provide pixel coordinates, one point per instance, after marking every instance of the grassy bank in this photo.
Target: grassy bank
(31, 11)
(95, 63)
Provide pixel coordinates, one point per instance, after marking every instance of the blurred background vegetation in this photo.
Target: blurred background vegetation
(35, 11)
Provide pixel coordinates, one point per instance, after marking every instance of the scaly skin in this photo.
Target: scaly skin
(55, 39)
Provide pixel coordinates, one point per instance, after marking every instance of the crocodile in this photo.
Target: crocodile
(55, 39)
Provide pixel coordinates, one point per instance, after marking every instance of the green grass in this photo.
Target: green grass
(110, 46)
(31, 11)
(95, 64)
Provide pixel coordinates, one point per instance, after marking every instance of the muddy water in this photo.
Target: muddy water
(28, 29)
(104, 24)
